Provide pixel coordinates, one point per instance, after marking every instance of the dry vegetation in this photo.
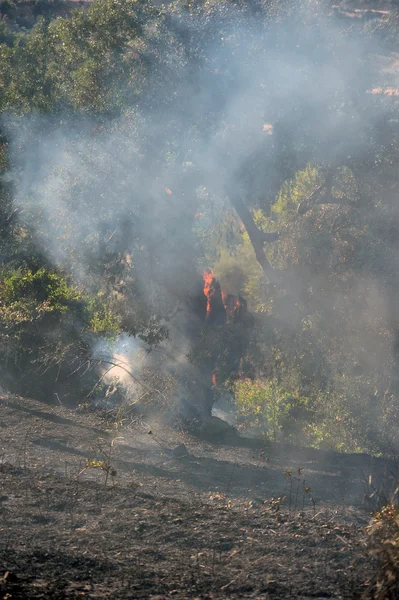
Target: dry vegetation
(94, 505)
(88, 512)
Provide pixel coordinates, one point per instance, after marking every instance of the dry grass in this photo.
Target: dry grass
(384, 547)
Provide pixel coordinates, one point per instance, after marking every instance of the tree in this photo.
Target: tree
(220, 107)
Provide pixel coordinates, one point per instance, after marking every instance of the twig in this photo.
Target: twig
(114, 364)
(99, 381)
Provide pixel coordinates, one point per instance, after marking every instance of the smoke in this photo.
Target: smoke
(119, 357)
(244, 101)
(87, 179)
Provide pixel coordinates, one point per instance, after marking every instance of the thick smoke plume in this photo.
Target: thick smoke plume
(233, 106)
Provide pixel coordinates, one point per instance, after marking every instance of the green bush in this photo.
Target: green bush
(295, 191)
(266, 405)
(43, 285)
(323, 421)
(102, 319)
(46, 326)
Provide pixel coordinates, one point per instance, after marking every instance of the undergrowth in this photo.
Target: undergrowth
(384, 546)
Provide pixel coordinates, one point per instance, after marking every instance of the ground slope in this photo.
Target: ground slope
(155, 519)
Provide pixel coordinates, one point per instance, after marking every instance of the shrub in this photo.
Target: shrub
(384, 545)
(266, 405)
(102, 319)
(46, 325)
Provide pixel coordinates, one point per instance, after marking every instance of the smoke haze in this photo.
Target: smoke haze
(233, 104)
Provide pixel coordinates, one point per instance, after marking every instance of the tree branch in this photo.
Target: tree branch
(319, 195)
(257, 237)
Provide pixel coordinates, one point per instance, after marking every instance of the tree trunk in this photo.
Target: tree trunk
(256, 236)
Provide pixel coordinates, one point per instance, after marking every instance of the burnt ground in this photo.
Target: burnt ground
(151, 519)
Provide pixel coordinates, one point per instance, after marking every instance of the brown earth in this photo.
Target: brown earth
(159, 519)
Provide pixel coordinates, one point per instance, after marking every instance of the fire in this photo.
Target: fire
(217, 301)
(214, 379)
(234, 307)
(208, 277)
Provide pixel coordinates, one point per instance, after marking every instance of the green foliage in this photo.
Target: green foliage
(293, 192)
(326, 322)
(28, 298)
(268, 406)
(333, 314)
(6, 36)
(333, 426)
(45, 327)
(103, 321)
(235, 264)
(7, 7)
(96, 60)
(42, 286)
(325, 421)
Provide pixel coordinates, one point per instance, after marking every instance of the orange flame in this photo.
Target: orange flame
(214, 379)
(231, 303)
(208, 278)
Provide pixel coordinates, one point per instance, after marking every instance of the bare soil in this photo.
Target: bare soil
(161, 513)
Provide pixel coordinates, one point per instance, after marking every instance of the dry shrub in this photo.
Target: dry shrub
(384, 547)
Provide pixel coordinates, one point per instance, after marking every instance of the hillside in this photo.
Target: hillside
(199, 284)
(195, 521)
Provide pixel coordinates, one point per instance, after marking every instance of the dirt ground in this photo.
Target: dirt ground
(152, 512)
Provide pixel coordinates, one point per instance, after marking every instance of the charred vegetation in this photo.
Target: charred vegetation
(199, 225)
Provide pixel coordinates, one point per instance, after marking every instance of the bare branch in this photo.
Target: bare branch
(119, 366)
(321, 195)
(257, 237)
